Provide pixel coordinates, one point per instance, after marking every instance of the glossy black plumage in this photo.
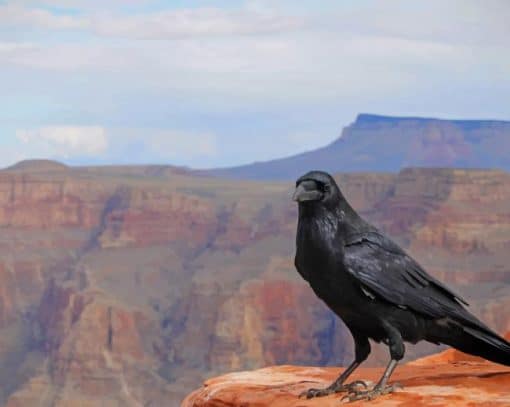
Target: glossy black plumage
(377, 289)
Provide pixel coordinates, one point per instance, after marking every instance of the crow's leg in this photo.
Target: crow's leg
(379, 389)
(362, 350)
(337, 386)
(397, 351)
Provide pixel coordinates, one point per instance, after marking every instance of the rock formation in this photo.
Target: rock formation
(448, 379)
(383, 143)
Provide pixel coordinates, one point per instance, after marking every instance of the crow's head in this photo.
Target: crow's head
(317, 188)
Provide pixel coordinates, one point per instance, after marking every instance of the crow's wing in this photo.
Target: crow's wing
(384, 269)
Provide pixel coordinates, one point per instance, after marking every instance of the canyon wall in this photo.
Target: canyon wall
(129, 286)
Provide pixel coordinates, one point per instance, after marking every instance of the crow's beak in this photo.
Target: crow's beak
(306, 192)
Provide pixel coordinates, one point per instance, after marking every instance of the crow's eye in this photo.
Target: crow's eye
(323, 187)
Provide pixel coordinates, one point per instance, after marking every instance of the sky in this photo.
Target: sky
(221, 83)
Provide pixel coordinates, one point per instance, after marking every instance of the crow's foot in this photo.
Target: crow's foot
(371, 394)
(334, 388)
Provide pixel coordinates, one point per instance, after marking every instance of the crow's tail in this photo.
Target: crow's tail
(478, 341)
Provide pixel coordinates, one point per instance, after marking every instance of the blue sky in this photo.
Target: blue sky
(218, 83)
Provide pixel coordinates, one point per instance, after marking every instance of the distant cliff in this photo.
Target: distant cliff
(380, 143)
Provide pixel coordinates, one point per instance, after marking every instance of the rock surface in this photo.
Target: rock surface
(447, 379)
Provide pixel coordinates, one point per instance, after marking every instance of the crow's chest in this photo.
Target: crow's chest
(320, 262)
(316, 257)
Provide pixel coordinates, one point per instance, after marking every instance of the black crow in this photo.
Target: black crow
(378, 290)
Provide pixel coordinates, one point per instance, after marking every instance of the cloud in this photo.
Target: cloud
(452, 22)
(286, 69)
(87, 5)
(178, 144)
(64, 141)
(224, 52)
(260, 69)
(186, 23)
(166, 24)
(96, 144)
(13, 47)
(15, 15)
(168, 145)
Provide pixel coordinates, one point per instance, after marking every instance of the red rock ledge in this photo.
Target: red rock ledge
(450, 378)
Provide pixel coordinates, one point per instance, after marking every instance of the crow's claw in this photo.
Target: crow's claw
(351, 388)
(311, 393)
(370, 394)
